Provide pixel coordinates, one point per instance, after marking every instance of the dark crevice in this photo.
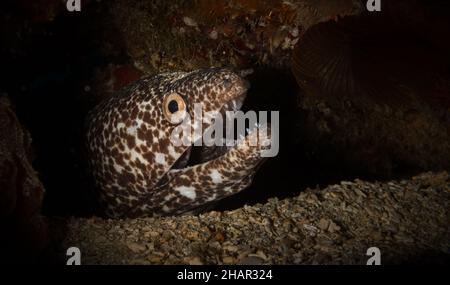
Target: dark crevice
(48, 85)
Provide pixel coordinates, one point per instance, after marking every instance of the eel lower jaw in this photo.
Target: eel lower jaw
(196, 156)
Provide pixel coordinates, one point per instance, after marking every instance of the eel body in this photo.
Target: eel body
(137, 167)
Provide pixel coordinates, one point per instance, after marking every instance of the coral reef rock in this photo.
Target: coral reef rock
(375, 93)
(167, 36)
(24, 232)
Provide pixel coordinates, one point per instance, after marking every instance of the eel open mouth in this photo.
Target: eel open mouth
(238, 156)
(195, 155)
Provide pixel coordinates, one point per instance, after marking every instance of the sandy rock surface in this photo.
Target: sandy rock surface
(408, 220)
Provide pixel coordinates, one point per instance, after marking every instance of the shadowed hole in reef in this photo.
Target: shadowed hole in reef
(60, 156)
(53, 108)
(291, 171)
(55, 117)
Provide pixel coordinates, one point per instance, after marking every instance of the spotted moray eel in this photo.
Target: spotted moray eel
(137, 169)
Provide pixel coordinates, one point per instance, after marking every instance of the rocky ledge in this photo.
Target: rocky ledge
(408, 220)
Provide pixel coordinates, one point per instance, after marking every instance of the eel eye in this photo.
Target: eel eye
(174, 108)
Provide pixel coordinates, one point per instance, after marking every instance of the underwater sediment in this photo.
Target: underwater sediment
(406, 219)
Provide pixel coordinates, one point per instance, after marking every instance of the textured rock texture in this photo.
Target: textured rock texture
(24, 232)
(162, 35)
(375, 89)
(407, 219)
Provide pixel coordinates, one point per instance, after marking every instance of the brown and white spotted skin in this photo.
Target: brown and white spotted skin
(139, 172)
